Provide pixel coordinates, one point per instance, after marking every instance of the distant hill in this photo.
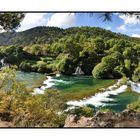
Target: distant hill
(37, 35)
(42, 35)
(103, 33)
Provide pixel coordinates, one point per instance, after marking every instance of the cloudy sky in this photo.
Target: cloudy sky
(120, 23)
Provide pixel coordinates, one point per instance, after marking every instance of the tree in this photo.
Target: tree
(99, 45)
(88, 58)
(10, 21)
(65, 65)
(107, 16)
(136, 74)
(25, 66)
(101, 71)
(9, 83)
(106, 69)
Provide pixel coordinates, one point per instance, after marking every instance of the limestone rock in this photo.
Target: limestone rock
(127, 118)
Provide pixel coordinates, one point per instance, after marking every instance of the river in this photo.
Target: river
(82, 90)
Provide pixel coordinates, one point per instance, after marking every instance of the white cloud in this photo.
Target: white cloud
(122, 27)
(61, 20)
(136, 35)
(41, 19)
(32, 20)
(129, 19)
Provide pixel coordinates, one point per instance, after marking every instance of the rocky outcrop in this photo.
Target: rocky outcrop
(127, 118)
(5, 124)
(74, 121)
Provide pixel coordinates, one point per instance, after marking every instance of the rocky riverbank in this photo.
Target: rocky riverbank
(5, 124)
(127, 118)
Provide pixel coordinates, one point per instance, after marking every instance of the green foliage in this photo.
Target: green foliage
(124, 80)
(9, 83)
(49, 49)
(88, 59)
(25, 66)
(136, 74)
(99, 45)
(37, 49)
(46, 59)
(14, 54)
(82, 111)
(43, 67)
(38, 35)
(10, 21)
(134, 106)
(65, 64)
(106, 69)
(27, 110)
(100, 71)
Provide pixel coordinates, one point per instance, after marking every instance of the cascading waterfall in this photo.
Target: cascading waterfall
(49, 83)
(134, 86)
(99, 98)
(3, 64)
(106, 96)
(78, 71)
(46, 84)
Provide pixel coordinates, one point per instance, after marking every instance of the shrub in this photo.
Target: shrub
(105, 110)
(100, 71)
(27, 110)
(65, 65)
(82, 111)
(25, 66)
(136, 74)
(134, 106)
(46, 59)
(41, 66)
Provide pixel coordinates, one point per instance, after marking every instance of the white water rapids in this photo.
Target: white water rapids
(98, 99)
(49, 83)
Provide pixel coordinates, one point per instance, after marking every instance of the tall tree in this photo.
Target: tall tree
(10, 21)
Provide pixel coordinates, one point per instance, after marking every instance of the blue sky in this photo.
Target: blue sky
(120, 23)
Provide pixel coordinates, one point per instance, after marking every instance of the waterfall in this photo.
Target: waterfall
(49, 83)
(58, 75)
(98, 99)
(79, 71)
(134, 86)
(3, 64)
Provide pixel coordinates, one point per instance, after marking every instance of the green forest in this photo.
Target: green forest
(99, 52)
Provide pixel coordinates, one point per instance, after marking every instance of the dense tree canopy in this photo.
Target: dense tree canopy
(97, 51)
(10, 21)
